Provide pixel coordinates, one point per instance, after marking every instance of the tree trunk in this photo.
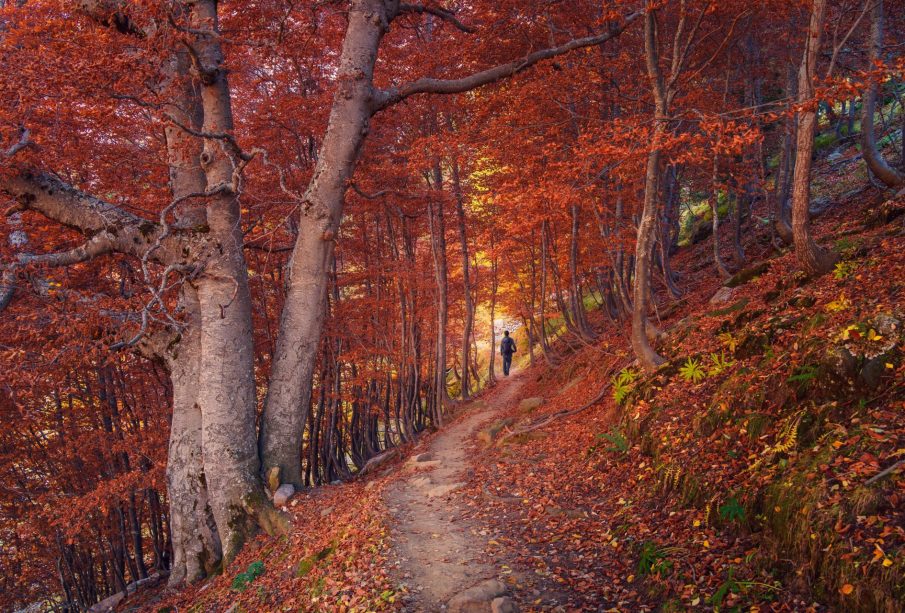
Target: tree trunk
(288, 397)
(875, 161)
(494, 287)
(648, 357)
(813, 259)
(195, 540)
(468, 325)
(226, 386)
(783, 186)
(714, 209)
(437, 222)
(575, 294)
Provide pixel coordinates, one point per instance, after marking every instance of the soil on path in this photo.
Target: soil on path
(439, 554)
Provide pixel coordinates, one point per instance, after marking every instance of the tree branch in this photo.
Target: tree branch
(443, 14)
(106, 224)
(111, 13)
(388, 97)
(20, 145)
(99, 244)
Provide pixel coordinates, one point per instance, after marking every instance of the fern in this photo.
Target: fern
(622, 384)
(840, 304)
(653, 560)
(692, 371)
(729, 585)
(804, 375)
(732, 510)
(728, 341)
(243, 580)
(719, 363)
(843, 270)
(617, 440)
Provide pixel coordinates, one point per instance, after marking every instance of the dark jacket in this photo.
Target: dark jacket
(507, 347)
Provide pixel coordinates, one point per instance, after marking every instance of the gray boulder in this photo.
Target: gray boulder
(283, 494)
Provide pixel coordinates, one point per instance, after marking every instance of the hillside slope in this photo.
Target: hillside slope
(760, 467)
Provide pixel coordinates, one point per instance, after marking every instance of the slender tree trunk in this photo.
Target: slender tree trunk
(876, 163)
(494, 287)
(575, 294)
(437, 222)
(648, 357)
(714, 209)
(544, 344)
(669, 228)
(783, 187)
(468, 325)
(738, 216)
(813, 259)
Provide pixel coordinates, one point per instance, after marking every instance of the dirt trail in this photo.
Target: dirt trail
(439, 554)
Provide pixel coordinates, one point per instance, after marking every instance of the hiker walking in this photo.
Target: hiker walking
(507, 348)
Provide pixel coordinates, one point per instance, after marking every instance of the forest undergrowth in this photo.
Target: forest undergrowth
(751, 471)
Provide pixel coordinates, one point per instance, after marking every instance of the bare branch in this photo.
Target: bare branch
(20, 145)
(366, 195)
(386, 98)
(99, 244)
(838, 47)
(436, 11)
(126, 233)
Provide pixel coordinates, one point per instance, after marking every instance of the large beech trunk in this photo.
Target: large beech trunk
(195, 539)
(226, 386)
(875, 161)
(288, 397)
(813, 259)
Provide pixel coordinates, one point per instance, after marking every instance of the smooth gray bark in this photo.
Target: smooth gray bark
(288, 397)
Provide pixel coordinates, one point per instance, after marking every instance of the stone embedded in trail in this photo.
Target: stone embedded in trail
(423, 460)
(443, 490)
(503, 604)
(477, 599)
(283, 494)
(421, 481)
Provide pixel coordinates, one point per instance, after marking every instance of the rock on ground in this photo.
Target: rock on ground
(477, 599)
(283, 494)
(503, 604)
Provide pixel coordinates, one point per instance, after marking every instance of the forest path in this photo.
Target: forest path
(440, 555)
